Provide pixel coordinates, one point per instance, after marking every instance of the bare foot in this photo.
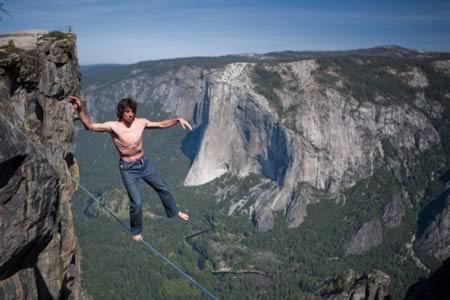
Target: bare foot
(138, 237)
(183, 216)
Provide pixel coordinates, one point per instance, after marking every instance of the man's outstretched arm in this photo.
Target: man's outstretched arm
(84, 118)
(168, 123)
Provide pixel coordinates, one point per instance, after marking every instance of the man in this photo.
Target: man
(126, 134)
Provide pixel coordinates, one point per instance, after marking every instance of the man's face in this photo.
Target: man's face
(128, 115)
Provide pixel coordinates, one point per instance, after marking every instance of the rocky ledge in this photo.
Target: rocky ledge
(39, 257)
(353, 286)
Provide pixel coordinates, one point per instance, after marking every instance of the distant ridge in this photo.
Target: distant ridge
(394, 51)
(384, 50)
(87, 67)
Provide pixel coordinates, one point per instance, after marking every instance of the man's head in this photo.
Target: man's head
(126, 109)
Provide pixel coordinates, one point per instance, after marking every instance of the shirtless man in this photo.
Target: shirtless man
(126, 134)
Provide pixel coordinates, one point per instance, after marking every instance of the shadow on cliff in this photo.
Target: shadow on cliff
(434, 208)
(25, 258)
(9, 167)
(43, 291)
(193, 140)
(277, 162)
(436, 287)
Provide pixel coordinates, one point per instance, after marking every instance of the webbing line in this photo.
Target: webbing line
(156, 252)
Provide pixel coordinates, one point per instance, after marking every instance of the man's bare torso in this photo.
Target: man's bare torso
(128, 140)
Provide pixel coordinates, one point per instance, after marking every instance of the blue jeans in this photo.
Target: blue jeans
(144, 169)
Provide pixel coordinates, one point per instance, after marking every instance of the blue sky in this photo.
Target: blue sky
(111, 31)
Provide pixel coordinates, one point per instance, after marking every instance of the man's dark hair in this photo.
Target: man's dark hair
(123, 104)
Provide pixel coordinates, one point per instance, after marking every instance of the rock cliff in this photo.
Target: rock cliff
(367, 237)
(39, 257)
(353, 286)
(305, 135)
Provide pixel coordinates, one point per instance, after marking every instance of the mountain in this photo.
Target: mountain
(392, 51)
(84, 68)
(39, 254)
(331, 156)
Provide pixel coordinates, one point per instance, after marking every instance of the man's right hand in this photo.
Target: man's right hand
(75, 102)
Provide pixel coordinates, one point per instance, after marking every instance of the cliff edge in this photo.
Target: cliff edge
(39, 257)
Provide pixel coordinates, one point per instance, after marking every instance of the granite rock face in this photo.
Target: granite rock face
(309, 138)
(367, 237)
(395, 210)
(352, 286)
(39, 256)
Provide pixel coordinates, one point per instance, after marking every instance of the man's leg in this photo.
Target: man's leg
(154, 179)
(132, 186)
